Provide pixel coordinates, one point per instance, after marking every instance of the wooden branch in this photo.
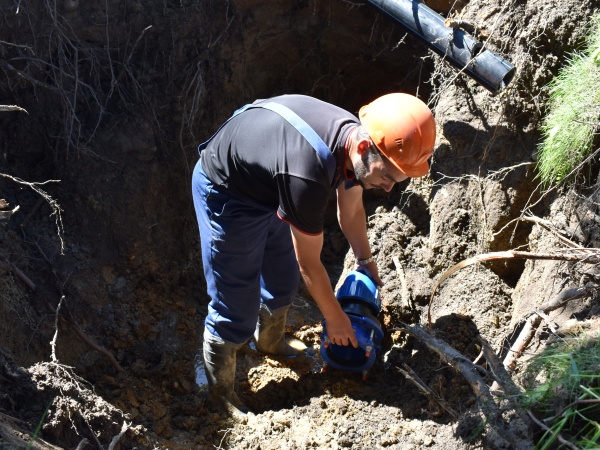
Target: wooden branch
(534, 319)
(29, 78)
(6, 215)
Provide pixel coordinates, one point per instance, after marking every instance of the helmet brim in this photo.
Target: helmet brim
(417, 171)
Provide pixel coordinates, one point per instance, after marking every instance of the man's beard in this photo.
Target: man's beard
(360, 173)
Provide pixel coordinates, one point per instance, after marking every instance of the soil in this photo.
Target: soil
(103, 299)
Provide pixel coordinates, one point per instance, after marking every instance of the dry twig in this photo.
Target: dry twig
(54, 339)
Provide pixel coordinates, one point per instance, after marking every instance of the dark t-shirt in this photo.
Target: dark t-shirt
(260, 157)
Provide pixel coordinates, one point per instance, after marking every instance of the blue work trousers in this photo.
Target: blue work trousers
(248, 259)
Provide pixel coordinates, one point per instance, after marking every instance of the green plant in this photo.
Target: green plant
(573, 112)
(38, 429)
(563, 389)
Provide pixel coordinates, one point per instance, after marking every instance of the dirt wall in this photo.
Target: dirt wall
(119, 94)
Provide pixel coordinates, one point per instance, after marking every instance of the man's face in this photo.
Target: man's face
(375, 173)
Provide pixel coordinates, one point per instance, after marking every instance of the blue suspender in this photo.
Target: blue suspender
(299, 124)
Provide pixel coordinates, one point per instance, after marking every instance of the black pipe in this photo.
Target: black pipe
(453, 44)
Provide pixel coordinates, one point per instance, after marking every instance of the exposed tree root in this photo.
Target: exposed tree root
(585, 255)
(535, 318)
(411, 376)
(11, 108)
(473, 374)
(501, 376)
(85, 338)
(118, 437)
(546, 428)
(18, 273)
(56, 209)
(560, 234)
(400, 271)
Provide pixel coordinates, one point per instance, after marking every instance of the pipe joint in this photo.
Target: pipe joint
(359, 298)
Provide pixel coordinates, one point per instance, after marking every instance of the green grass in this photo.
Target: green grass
(38, 429)
(573, 112)
(563, 390)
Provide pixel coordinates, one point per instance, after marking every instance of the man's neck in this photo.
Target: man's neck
(350, 149)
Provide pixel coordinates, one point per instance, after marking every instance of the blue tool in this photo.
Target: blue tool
(359, 298)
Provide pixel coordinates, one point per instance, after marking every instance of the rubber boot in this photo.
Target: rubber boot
(219, 363)
(269, 334)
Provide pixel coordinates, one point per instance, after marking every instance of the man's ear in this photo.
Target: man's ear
(362, 146)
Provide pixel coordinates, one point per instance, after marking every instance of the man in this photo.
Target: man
(260, 192)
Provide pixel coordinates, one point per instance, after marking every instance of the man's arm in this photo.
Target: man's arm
(308, 251)
(353, 222)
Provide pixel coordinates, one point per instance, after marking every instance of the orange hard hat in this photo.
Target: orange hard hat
(403, 129)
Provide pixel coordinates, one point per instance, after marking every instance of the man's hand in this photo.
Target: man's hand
(372, 271)
(339, 330)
